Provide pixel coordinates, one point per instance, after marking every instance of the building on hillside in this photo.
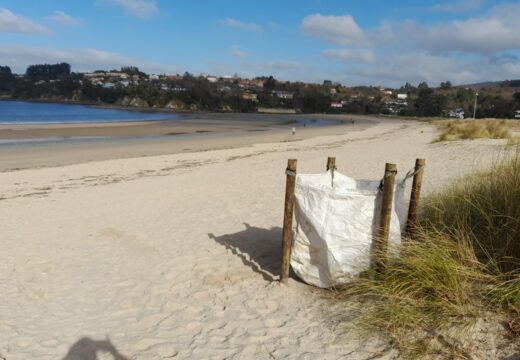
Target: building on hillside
(227, 78)
(402, 96)
(517, 114)
(251, 96)
(224, 89)
(284, 95)
(258, 83)
(336, 105)
(251, 84)
(395, 107)
(95, 77)
(174, 78)
(117, 74)
(454, 113)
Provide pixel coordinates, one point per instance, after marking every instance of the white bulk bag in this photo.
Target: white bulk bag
(336, 219)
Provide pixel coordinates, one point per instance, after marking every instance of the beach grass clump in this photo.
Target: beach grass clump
(473, 129)
(432, 284)
(463, 264)
(486, 206)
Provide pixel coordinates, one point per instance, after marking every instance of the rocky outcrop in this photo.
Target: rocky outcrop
(135, 102)
(175, 105)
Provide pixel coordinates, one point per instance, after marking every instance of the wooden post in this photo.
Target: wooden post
(331, 163)
(287, 220)
(411, 223)
(381, 241)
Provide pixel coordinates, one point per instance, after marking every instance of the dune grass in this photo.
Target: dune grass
(485, 205)
(473, 129)
(464, 263)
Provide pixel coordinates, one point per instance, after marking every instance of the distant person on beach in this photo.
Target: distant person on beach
(293, 130)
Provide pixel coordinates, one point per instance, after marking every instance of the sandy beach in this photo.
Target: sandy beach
(156, 249)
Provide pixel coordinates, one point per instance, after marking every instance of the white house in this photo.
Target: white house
(212, 79)
(456, 113)
(336, 105)
(517, 114)
(402, 96)
(284, 95)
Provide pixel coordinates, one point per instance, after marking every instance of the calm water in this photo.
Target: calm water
(21, 112)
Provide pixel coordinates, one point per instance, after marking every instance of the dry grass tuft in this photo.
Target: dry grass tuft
(486, 206)
(473, 129)
(464, 263)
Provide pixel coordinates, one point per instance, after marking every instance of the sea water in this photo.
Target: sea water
(22, 112)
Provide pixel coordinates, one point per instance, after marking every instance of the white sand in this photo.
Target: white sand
(178, 255)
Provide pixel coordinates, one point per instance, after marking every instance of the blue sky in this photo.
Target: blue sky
(354, 42)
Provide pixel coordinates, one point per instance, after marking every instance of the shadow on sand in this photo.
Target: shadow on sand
(88, 349)
(260, 249)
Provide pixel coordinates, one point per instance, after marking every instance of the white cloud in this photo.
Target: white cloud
(237, 52)
(138, 8)
(416, 66)
(18, 58)
(341, 30)
(64, 19)
(357, 55)
(242, 25)
(458, 6)
(12, 23)
(495, 31)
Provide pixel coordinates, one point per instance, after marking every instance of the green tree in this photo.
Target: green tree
(132, 70)
(423, 85)
(7, 79)
(446, 85)
(270, 84)
(428, 103)
(48, 72)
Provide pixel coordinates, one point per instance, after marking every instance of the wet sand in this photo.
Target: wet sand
(26, 146)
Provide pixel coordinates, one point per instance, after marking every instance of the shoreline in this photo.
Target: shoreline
(58, 145)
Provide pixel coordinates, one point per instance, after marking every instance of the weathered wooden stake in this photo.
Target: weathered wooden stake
(381, 241)
(287, 220)
(411, 223)
(331, 163)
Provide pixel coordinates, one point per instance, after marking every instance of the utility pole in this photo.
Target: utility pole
(475, 106)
